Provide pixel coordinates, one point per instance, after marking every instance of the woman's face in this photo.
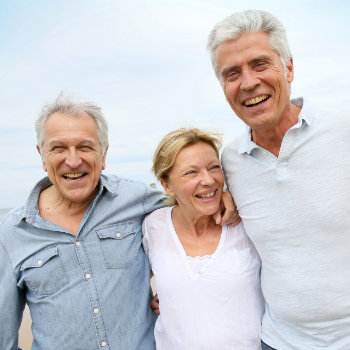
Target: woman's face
(196, 180)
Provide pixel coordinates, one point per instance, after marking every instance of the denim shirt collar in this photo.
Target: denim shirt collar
(246, 144)
(31, 209)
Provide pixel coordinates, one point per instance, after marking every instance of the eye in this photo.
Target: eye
(215, 168)
(190, 172)
(57, 148)
(260, 66)
(85, 148)
(231, 76)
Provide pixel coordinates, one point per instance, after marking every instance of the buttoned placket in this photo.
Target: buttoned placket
(90, 283)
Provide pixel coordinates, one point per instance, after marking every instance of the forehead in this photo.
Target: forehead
(246, 47)
(196, 153)
(66, 126)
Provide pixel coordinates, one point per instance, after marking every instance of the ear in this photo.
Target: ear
(167, 188)
(42, 158)
(290, 71)
(104, 159)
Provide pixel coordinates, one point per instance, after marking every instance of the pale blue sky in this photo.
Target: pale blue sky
(145, 63)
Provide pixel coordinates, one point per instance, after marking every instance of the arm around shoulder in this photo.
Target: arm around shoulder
(153, 199)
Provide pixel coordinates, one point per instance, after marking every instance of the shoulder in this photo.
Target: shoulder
(157, 217)
(238, 234)
(233, 146)
(8, 227)
(327, 114)
(233, 150)
(133, 192)
(237, 230)
(116, 183)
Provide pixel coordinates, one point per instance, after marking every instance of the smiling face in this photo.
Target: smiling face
(196, 180)
(254, 81)
(72, 156)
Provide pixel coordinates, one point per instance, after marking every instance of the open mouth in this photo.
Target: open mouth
(256, 101)
(207, 195)
(74, 176)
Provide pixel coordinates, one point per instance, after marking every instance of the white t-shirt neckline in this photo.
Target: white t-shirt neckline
(186, 258)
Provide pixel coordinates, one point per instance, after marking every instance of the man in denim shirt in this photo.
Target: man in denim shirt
(73, 252)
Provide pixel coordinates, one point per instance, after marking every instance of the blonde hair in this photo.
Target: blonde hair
(169, 147)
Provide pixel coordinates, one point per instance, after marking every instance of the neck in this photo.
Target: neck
(196, 225)
(50, 200)
(272, 137)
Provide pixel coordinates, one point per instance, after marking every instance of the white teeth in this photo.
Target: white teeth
(206, 196)
(73, 176)
(256, 100)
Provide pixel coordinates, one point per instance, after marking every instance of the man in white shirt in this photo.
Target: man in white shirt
(290, 177)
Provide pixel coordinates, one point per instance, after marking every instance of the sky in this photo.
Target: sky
(145, 63)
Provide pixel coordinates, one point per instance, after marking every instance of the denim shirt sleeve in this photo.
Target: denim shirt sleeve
(153, 199)
(12, 304)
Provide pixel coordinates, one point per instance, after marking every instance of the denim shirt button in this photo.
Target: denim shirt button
(103, 344)
(77, 244)
(40, 262)
(118, 235)
(96, 310)
(87, 276)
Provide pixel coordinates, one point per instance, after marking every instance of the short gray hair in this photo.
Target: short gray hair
(250, 21)
(63, 104)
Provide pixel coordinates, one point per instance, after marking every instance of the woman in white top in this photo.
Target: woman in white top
(207, 276)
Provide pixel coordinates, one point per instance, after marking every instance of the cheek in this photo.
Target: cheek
(229, 92)
(220, 180)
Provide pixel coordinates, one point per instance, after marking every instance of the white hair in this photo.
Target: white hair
(65, 105)
(250, 21)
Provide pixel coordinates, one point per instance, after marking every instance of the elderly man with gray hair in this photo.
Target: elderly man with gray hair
(290, 176)
(73, 251)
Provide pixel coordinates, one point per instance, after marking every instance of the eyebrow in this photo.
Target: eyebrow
(254, 60)
(261, 58)
(87, 142)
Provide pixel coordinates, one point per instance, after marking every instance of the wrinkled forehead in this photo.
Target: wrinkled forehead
(246, 47)
(64, 125)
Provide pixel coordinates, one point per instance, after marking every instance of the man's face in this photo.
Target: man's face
(72, 156)
(254, 81)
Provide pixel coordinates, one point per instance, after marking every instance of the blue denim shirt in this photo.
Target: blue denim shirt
(90, 291)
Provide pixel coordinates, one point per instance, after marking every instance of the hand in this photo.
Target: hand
(155, 305)
(227, 213)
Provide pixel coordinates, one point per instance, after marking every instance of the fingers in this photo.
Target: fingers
(230, 214)
(231, 217)
(155, 305)
(217, 217)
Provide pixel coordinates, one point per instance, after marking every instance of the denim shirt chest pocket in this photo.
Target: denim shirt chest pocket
(120, 244)
(43, 272)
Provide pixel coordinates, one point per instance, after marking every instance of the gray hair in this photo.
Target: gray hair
(64, 104)
(250, 21)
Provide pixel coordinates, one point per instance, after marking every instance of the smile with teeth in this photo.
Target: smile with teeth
(206, 196)
(256, 100)
(73, 175)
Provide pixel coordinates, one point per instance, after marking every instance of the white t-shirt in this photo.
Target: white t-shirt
(206, 302)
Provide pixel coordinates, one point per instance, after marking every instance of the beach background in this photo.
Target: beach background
(145, 63)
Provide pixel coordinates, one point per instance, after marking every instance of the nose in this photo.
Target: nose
(207, 179)
(73, 159)
(249, 80)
